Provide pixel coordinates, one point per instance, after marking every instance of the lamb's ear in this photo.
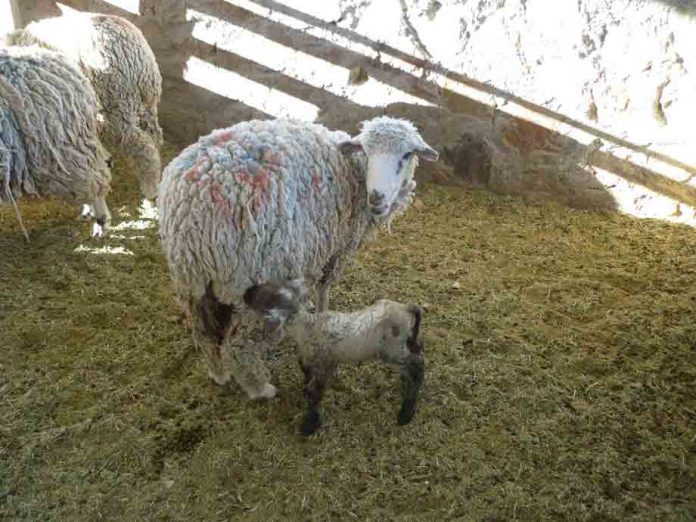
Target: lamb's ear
(426, 152)
(251, 297)
(350, 146)
(299, 289)
(273, 327)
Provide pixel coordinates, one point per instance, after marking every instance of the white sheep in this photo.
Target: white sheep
(49, 144)
(114, 55)
(387, 331)
(272, 201)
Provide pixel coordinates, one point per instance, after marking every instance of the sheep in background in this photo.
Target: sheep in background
(49, 144)
(114, 55)
(388, 331)
(272, 201)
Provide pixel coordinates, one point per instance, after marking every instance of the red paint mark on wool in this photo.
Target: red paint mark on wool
(193, 174)
(316, 182)
(259, 184)
(221, 203)
(223, 137)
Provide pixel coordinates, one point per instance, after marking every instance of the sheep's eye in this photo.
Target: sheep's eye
(407, 156)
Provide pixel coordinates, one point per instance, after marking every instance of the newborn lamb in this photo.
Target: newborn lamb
(387, 330)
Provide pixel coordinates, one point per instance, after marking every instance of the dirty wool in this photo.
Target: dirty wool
(560, 377)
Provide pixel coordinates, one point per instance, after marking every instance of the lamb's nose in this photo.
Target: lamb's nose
(375, 199)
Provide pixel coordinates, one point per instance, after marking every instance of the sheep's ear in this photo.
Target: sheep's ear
(350, 146)
(427, 153)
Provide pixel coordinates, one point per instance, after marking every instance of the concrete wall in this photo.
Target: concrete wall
(607, 85)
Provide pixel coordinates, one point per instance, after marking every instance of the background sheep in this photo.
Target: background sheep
(388, 331)
(121, 66)
(48, 132)
(272, 201)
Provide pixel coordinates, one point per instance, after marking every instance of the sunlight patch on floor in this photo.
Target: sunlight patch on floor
(105, 250)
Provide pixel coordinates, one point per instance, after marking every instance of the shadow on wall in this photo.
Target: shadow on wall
(686, 7)
(228, 61)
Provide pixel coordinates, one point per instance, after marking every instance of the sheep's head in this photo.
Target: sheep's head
(277, 303)
(393, 147)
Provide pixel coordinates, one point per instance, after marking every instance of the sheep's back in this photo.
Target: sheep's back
(114, 55)
(54, 108)
(14, 171)
(259, 201)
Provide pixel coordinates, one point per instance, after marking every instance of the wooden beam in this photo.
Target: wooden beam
(16, 15)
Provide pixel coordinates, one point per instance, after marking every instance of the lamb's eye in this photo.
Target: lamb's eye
(407, 156)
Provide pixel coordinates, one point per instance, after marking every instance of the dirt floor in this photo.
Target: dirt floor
(560, 379)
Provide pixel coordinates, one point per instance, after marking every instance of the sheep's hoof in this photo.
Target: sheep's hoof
(86, 213)
(98, 230)
(310, 424)
(221, 380)
(147, 209)
(406, 414)
(267, 392)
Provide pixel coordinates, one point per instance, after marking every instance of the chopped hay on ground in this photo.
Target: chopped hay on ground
(560, 378)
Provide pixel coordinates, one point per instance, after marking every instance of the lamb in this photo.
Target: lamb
(114, 55)
(388, 331)
(270, 201)
(49, 144)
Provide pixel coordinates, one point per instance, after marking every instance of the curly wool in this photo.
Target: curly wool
(261, 201)
(115, 56)
(48, 129)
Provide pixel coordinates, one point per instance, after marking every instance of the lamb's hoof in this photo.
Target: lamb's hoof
(268, 391)
(98, 230)
(310, 424)
(406, 414)
(86, 213)
(220, 380)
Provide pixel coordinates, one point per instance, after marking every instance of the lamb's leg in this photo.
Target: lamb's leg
(322, 298)
(241, 356)
(315, 378)
(412, 371)
(102, 220)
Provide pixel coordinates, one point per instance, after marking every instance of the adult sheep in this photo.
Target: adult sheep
(271, 201)
(114, 55)
(49, 145)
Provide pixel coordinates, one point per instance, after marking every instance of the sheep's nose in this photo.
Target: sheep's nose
(375, 199)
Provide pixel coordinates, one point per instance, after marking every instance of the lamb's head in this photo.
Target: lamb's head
(392, 147)
(277, 303)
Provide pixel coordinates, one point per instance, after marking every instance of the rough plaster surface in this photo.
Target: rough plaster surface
(624, 67)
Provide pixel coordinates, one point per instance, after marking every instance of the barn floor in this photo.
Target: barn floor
(560, 384)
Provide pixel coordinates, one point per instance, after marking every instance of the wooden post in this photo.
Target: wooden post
(16, 16)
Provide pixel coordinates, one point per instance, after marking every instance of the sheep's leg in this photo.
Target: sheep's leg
(412, 371)
(210, 321)
(211, 353)
(315, 378)
(241, 357)
(102, 220)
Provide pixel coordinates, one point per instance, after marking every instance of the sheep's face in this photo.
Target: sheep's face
(392, 147)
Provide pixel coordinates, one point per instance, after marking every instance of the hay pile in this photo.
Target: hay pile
(561, 381)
